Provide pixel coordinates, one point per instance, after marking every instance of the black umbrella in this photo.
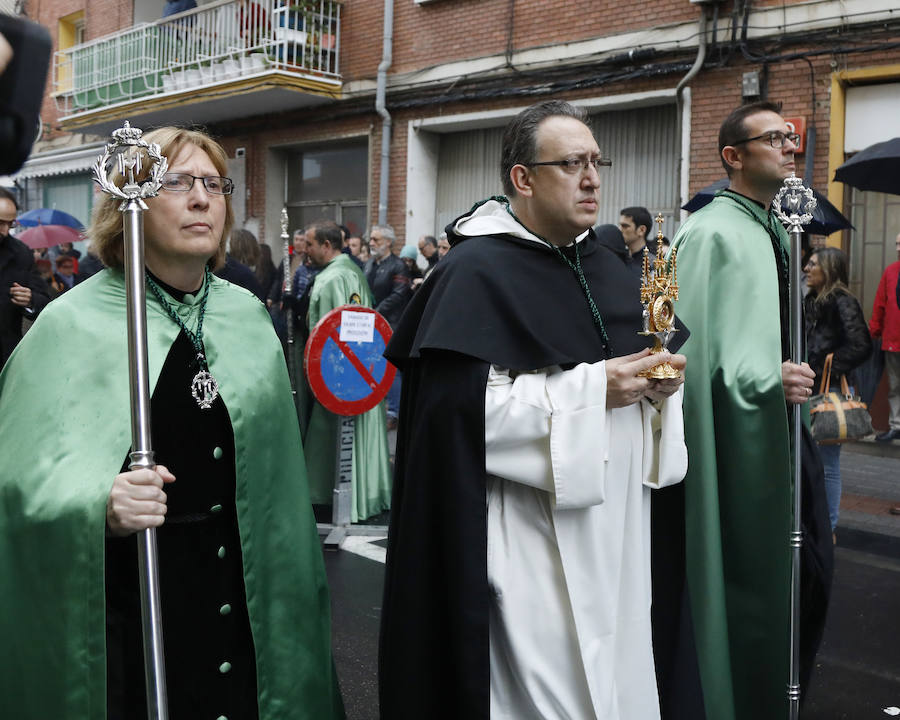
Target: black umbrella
(826, 217)
(875, 168)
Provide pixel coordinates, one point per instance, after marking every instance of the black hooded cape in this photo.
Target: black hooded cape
(491, 300)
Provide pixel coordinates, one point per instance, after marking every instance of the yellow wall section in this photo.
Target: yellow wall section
(839, 83)
(66, 34)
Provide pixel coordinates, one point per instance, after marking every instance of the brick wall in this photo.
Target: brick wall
(47, 13)
(446, 30)
(715, 92)
(101, 17)
(425, 35)
(289, 129)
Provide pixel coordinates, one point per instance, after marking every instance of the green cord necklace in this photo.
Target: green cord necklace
(204, 387)
(579, 273)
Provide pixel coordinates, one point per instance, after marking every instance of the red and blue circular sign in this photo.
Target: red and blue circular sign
(344, 360)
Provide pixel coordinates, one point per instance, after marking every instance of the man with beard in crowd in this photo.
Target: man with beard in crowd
(391, 284)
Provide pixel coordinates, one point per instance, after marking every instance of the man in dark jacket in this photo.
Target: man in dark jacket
(391, 283)
(23, 293)
(428, 246)
(388, 277)
(635, 224)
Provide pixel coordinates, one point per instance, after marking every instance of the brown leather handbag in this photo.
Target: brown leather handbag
(837, 417)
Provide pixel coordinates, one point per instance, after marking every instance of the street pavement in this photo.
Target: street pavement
(858, 666)
(857, 673)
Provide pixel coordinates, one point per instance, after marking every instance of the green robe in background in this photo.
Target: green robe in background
(738, 485)
(64, 432)
(334, 286)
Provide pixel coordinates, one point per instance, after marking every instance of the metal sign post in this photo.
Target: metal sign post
(129, 151)
(800, 203)
(348, 375)
(343, 483)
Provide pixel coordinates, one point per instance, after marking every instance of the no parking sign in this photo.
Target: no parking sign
(344, 360)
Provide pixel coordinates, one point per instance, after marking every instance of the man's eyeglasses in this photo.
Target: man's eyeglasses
(776, 139)
(9, 224)
(183, 182)
(575, 165)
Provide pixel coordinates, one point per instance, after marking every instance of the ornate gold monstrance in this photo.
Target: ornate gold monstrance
(659, 290)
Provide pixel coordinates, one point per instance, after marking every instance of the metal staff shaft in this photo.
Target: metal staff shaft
(796, 537)
(129, 151)
(142, 457)
(800, 203)
(289, 311)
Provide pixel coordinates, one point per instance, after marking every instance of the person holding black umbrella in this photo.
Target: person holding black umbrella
(23, 293)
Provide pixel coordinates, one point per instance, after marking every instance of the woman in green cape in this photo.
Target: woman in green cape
(244, 602)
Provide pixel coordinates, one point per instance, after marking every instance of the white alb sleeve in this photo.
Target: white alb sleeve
(665, 454)
(549, 430)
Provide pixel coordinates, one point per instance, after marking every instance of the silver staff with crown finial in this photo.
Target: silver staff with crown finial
(129, 151)
(288, 290)
(800, 203)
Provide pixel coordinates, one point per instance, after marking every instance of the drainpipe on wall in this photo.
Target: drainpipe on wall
(679, 99)
(380, 92)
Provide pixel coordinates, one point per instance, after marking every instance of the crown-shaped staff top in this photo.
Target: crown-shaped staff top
(127, 135)
(129, 149)
(800, 202)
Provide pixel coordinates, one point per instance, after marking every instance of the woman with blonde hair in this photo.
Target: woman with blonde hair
(244, 600)
(834, 324)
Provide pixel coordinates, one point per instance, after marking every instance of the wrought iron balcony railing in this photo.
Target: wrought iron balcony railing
(217, 43)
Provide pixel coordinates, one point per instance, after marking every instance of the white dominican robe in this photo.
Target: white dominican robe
(568, 550)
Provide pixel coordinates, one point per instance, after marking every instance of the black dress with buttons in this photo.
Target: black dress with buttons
(210, 665)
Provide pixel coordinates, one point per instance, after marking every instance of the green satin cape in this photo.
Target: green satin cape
(334, 286)
(738, 485)
(64, 432)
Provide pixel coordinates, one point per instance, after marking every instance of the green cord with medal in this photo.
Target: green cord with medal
(204, 387)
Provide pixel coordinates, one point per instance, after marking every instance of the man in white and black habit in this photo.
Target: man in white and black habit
(518, 567)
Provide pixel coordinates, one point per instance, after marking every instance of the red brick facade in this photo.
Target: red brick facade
(435, 33)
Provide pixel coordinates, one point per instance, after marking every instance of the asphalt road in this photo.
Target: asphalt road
(858, 667)
(356, 585)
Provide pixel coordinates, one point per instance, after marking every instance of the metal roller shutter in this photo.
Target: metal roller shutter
(641, 143)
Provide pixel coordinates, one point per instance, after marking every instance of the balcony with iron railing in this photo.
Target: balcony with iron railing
(200, 65)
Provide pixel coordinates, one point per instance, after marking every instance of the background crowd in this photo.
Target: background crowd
(835, 323)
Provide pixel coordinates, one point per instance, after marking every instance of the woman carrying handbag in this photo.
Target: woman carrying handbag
(834, 326)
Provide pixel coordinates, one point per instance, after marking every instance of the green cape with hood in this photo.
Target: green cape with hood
(64, 432)
(738, 484)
